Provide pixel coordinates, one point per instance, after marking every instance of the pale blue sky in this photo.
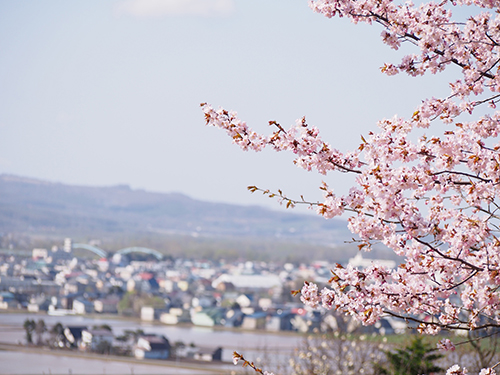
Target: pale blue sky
(102, 92)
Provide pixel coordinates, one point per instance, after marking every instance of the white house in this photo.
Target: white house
(96, 337)
(249, 281)
(82, 306)
(152, 347)
(360, 262)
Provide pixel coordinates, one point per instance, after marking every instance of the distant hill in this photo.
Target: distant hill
(39, 207)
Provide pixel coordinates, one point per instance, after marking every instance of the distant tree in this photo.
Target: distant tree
(129, 334)
(29, 326)
(176, 347)
(57, 335)
(132, 302)
(40, 329)
(126, 303)
(115, 289)
(415, 359)
(236, 306)
(485, 345)
(103, 326)
(330, 354)
(122, 338)
(104, 347)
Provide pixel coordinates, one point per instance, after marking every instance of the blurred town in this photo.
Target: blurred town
(141, 283)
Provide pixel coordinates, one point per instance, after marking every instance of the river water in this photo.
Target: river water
(254, 345)
(19, 363)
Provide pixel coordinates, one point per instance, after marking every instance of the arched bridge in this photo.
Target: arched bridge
(94, 249)
(143, 250)
(128, 250)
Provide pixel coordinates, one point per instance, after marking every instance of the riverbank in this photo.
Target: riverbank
(253, 344)
(138, 321)
(24, 360)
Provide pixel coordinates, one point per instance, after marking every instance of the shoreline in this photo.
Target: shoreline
(208, 367)
(160, 324)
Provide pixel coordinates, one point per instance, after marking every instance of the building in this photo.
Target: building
(39, 254)
(360, 262)
(147, 313)
(74, 335)
(255, 321)
(82, 306)
(208, 354)
(248, 281)
(152, 347)
(107, 305)
(97, 339)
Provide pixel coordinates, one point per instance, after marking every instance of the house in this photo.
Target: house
(204, 301)
(182, 285)
(359, 262)
(73, 335)
(306, 321)
(152, 347)
(384, 327)
(38, 303)
(251, 282)
(169, 318)
(146, 282)
(265, 303)
(208, 354)
(199, 353)
(147, 313)
(186, 351)
(17, 284)
(244, 300)
(234, 318)
(281, 321)
(175, 316)
(8, 301)
(73, 287)
(108, 305)
(39, 254)
(208, 317)
(96, 339)
(225, 286)
(255, 321)
(82, 306)
(67, 301)
(330, 323)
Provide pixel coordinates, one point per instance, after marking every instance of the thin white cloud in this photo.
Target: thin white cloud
(160, 8)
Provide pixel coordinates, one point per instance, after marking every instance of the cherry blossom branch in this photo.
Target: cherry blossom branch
(455, 286)
(292, 202)
(238, 357)
(444, 256)
(461, 174)
(455, 326)
(387, 23)
(432, 200)
(424, 323)
(477, 339)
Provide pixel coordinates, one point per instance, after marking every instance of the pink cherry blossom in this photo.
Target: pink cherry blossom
(487, 371)
(427, 184)
(456, 370)
(446, 344)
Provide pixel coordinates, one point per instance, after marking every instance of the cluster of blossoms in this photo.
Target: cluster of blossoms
(337, 354)
(457, 370)
(446, 344)
(432, 199)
